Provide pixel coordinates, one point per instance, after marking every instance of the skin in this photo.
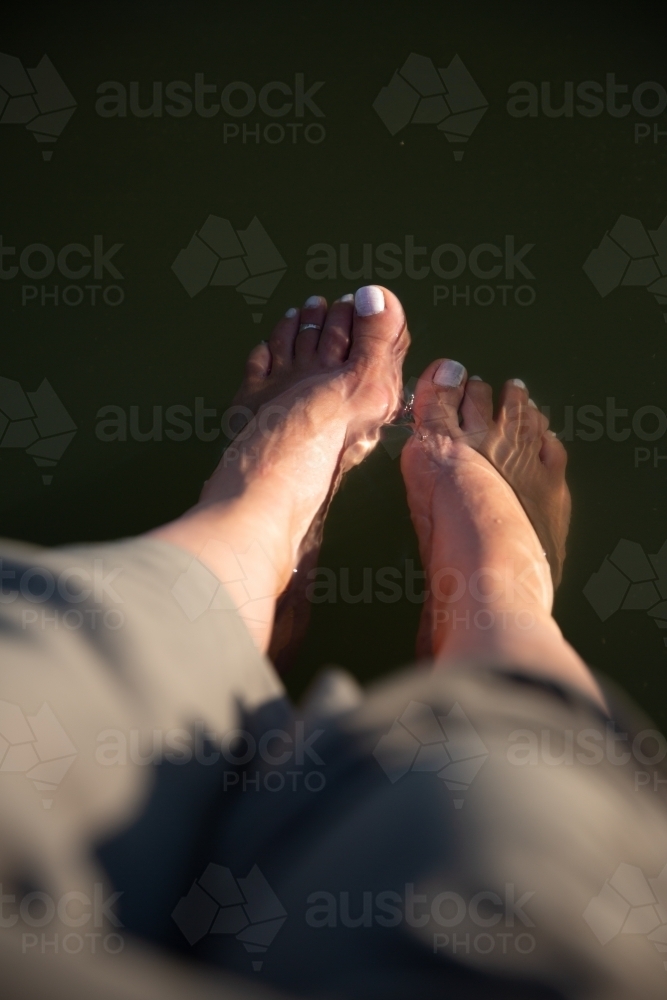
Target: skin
(471, 479)
(487, 492)
(319, 399)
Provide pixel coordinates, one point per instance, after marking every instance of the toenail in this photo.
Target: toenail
(519, 383)
(291, 313)
(531, 402)
(369, 300)
(449, 374)
(313, 302)
(347, 298)
(475, 378)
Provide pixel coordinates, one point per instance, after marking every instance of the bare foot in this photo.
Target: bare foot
(527, 454)
(318, 392)
(261, 385)
(512, 442)
(491, 587)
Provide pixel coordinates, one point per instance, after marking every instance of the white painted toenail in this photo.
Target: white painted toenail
(519, 383)
(291, 313)
(475, 378)
(369, 300)
(531, 402)
(449, 374)
(313, 302)
(347, 298)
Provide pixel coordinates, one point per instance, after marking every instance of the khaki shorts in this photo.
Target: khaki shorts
(171, 826)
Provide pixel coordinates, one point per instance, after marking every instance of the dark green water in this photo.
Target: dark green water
(148, 183)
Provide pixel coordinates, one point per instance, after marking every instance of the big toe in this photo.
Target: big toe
(379, 328)
(438, 396)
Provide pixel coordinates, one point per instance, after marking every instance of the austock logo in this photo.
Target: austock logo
(220, 256)
(448, 261)
(37, 98)
(446, 745)
(39, 261)
(630, 580)
(629, 903)
(420, 94)
(36, 746)
(36, 422)
(235, 100)
(589, 99)
(630, 256)
(218, 903)
(234, 585)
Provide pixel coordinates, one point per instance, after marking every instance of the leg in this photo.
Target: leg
(430, 860)
(474, 486)
(319, 401)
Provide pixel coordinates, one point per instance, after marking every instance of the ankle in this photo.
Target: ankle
(530, 641)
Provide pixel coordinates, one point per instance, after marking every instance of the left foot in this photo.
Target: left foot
(320, 391)
(261, 384)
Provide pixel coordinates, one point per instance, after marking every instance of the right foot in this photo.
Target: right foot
(519, 444)
(490, 580)
(320, 391)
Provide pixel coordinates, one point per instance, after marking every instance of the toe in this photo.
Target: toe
(313, 313)
(542, 420)
(334, 344)
(476, 407)
(514, 393)
(552, 453)
(258, 365)
(281, 341)
(438, 397)
(519, 421)
(379, 329)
